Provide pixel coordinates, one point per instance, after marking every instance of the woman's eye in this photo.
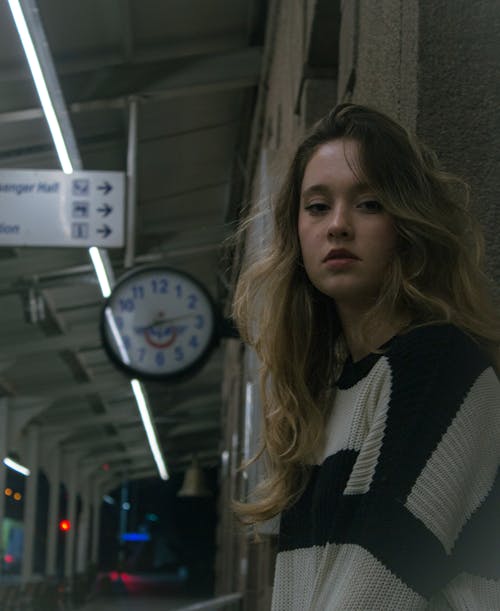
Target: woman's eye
(371, 206)
(316, 207)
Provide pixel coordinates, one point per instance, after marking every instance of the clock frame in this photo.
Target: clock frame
(159, 323)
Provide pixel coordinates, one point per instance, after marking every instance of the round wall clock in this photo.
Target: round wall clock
(158, 323)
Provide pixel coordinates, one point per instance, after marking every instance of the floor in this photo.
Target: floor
(127, 592)
(139, 603)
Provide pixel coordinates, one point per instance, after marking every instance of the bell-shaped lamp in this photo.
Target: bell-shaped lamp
(194, 481)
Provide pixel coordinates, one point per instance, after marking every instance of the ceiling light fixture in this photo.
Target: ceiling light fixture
(100, 271)
(41, 85)
(108, 312)
(15, 466)
(142, 404)
(30, 29)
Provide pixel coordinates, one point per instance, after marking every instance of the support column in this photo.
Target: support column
(69, 551)
(53, 517)
(83, 530)
(30, 505)
(4, 421)
(133, 110)
(96, 522)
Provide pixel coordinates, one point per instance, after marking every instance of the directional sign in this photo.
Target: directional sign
(50, 208)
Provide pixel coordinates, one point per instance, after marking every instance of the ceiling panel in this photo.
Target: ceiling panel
(193, 67)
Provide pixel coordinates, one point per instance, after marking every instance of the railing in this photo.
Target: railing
(229, 602)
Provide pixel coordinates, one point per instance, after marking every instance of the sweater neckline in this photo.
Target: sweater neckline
(353, 372)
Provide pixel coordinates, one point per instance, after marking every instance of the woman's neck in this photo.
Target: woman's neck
(379, 333)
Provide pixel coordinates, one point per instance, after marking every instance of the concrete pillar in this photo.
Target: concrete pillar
(83, 530)
(30, 505)
(4, 414)
(96, 522)
(459, 89)
(53, 516)
(434, 66)
(69, 551)
(378, 56)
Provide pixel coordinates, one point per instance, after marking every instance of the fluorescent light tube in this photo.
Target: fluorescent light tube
(148, 426)
(100, 270)
(41, 86)
(108, 312)
(15, 466)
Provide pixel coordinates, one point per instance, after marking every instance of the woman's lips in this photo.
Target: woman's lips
(340, 262)
(339, 258)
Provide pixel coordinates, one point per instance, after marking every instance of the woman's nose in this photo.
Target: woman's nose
(339, 221)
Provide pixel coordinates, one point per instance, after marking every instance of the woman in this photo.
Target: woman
(379, 346)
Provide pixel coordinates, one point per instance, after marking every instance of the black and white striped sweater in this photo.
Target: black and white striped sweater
(402, 511)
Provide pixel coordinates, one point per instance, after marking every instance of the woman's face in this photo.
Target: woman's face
(346, 238)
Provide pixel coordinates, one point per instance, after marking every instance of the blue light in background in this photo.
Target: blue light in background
(136, 537)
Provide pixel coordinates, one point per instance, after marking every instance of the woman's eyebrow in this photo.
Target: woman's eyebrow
(315, 190)
(321, 189)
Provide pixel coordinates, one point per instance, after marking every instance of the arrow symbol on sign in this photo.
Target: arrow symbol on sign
(105, 188)
(105, 231)
(105, 209)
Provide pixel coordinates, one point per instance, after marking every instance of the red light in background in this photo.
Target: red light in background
(64, 525)
(8, 558)
(105, 466)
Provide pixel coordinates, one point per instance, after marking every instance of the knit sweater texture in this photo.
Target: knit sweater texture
(402, 510)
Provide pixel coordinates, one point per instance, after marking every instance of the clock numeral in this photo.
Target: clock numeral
(127, 305)
(138, 292)
(193, 342)
(199, 322)
(160, 359)
(142, 354)
(119, 322)
(178, 290)
(192, 301)
(127, 342)
(160, 286)
(179, 353)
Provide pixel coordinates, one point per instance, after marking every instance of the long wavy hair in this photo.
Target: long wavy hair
(436, 276)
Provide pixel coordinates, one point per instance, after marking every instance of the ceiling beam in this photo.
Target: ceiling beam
(72, 424)
(198, 426)
(202, 76)
(102, 59)
(77, 338)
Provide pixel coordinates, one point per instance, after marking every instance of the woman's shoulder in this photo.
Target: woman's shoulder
(434, 343)
(439, 361)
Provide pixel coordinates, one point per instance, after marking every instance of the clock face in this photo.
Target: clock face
(158, 323)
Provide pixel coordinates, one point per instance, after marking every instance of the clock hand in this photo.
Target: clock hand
(163, 321)
(169, 320)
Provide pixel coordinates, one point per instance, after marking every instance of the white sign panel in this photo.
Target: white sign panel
(50, 208)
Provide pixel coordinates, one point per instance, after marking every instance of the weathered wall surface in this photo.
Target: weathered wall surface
(379, 54)
(459, 101)
(435, 67)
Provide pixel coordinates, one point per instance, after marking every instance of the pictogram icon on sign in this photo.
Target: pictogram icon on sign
(80, 187)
